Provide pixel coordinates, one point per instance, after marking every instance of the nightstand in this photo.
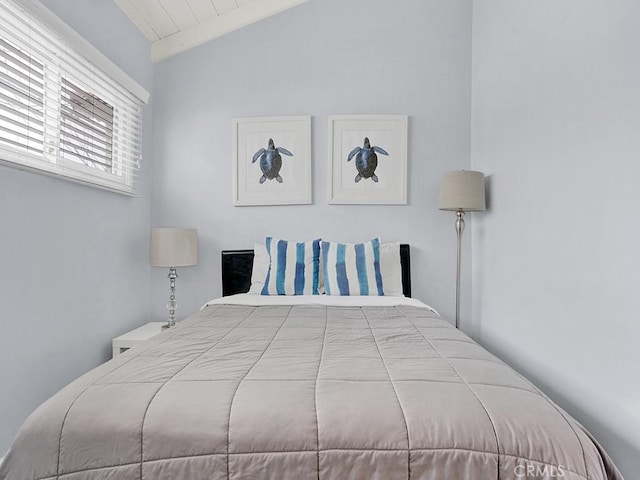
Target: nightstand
(135, 337)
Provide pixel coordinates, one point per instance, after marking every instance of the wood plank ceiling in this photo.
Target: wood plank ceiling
(173, 26)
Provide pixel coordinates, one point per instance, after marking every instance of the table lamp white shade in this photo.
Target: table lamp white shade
(462, 190)
(174, 247)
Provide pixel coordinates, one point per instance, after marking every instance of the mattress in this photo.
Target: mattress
(299, 388)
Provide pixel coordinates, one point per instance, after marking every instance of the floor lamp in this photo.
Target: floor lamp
(173, 247)
(461, 192)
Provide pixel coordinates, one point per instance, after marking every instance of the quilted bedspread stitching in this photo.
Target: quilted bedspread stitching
(395, 391)
(471, 389)
(240, 383)
(315, 393)
(245, 316)
(160, 388)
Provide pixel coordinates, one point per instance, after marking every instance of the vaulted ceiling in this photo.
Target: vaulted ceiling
(173, 26)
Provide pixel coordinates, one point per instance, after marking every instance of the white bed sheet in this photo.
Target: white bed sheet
(332, 300)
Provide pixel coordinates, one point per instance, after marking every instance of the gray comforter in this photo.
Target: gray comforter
(304, 392)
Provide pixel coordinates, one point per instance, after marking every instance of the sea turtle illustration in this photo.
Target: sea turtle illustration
(366, 160)
(270, 161)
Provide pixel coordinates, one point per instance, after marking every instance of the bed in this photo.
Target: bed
(304, 387)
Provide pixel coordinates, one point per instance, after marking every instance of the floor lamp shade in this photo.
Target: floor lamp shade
(462, 190)
(174, 247)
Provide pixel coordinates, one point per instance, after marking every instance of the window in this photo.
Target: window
(86, 128)
(60, 112)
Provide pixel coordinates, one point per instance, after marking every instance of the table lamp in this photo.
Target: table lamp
(173, 247)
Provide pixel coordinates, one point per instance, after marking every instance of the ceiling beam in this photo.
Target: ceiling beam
(138, 19)
(217, 26)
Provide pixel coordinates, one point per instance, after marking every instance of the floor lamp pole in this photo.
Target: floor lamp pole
(459, 230)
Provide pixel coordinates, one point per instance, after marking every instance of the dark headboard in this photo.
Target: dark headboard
(238, 264)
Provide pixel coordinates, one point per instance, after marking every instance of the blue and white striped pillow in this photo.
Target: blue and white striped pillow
(352, 269)
(293, 269)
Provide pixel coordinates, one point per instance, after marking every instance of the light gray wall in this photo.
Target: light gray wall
(321, 58)
(74, 259)
(556, 126)
(554, 121)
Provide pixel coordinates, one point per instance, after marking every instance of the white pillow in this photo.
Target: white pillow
(260, 268)
(391, 269)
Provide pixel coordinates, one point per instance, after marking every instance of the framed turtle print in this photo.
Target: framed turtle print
(272, 160)
(368, 159)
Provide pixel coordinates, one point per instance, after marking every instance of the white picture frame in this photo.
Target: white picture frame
(367, 183)
(269, 180)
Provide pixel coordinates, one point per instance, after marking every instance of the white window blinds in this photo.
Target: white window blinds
(21, 99)
(59, 112)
